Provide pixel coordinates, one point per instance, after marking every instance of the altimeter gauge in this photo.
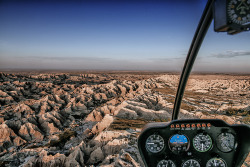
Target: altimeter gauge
(154, 143)
(239, 11)
(226, 142)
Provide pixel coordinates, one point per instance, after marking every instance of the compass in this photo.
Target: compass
(239, 11)
(232, 16)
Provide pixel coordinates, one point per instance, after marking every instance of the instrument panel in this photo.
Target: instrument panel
(194, 143)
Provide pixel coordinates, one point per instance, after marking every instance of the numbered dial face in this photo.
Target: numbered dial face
(216, 162)
(178, 143)
(166, 163)
(202, 143)
(191, 163)
(154, 143)
(226, 142)
(239, 11)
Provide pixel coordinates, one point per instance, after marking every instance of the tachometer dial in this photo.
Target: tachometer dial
(191, 163)
(154, 143)
(239, 11)
(166, 163)
(226, 142)
(178, 143)
(216, 162)
(202, 142)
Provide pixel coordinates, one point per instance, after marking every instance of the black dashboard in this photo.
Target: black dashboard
(194, 143)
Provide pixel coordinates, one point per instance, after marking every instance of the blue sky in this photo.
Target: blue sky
(113, 35)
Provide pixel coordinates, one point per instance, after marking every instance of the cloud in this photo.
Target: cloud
(231, 54)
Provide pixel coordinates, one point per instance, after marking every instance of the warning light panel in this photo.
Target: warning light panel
(191, 126)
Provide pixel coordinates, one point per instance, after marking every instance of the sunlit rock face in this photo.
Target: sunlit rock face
(82, 119)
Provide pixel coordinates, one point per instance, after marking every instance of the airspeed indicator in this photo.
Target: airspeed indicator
(202, 142)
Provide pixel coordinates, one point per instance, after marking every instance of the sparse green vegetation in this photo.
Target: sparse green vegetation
(169, 91)
(205, 113)
(237, 112)
(123, 124)
(246, 119)
(162, 120)
(166, 90)
(187, 107)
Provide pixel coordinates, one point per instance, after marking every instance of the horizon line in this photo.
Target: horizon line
(123, 71)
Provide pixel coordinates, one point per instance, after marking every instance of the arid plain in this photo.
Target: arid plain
(94, 118)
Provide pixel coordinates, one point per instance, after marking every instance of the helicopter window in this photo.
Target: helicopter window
(80, 78)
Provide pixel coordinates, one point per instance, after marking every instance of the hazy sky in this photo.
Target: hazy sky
(113, 35)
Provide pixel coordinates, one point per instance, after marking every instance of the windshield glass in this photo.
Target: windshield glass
(79, 79)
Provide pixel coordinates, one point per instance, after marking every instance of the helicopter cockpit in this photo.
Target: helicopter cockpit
(200, 142)
(194, 142)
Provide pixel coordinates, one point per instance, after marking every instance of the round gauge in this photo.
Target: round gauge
(166, 163)
(154, 143)
(178, 143)
(216, 162)
(191, 163)
(202, 142)
(239, 11)
(226, 142)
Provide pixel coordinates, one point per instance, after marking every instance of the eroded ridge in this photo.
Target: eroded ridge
(58, 119)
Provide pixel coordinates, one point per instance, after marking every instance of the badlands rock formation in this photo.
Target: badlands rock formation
(73, 119)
